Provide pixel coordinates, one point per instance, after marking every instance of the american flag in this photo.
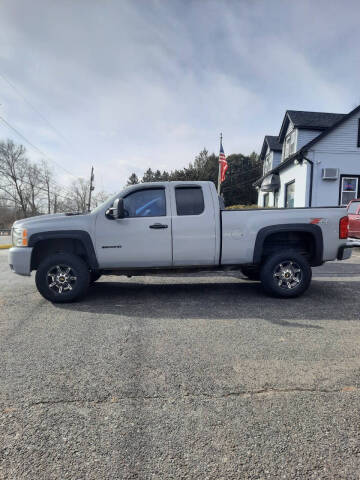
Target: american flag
(223, 163)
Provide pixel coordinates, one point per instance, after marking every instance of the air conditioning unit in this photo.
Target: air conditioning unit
(330, 173)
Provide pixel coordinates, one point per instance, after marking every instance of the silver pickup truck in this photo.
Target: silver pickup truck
(179, 227)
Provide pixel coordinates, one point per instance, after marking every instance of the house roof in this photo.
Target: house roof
(303, 150)
(309, 120)
(272, 142)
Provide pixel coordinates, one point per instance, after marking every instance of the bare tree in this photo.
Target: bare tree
(47, 180)
(99, 198)
(34, 188)
(14, 175)
(78, 198)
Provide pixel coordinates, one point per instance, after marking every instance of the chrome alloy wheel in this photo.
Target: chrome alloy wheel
(61, 278)
(288, 274)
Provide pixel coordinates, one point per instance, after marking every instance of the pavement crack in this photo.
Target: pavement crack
(112, 399)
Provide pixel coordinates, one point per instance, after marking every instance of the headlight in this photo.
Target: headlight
(19, 237)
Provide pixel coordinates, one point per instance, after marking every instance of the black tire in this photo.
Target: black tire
(56, 283)
(252, 273)
(94, 276)
(291, 269)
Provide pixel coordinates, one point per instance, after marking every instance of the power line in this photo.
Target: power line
(35, 147)
(44, 189)
(6, 80)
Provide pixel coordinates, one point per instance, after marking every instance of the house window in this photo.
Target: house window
(349, 189)
(290, 194)
(267, 164)
(276, 199)
(289, 147)
(266, 200)
(292, 143)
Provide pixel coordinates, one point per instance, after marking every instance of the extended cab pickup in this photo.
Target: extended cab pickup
(181, 227)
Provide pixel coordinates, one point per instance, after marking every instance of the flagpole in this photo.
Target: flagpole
(219, 172)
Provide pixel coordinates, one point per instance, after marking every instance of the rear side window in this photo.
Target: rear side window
(353, 207)
(189, 200)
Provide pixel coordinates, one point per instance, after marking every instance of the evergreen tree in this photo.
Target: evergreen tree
(148, 176)
(133, 179)
(236, 189)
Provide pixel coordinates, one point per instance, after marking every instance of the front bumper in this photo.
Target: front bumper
(345, 251)
(20, 260)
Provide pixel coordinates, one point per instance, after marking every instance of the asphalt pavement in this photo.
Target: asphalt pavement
(181, 378)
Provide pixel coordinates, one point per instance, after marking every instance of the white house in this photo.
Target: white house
(315, 161)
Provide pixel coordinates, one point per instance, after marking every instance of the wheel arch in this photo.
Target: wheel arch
(301, 232)
(71, 241)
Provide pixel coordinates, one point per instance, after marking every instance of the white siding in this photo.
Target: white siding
(338, 149)
(290, 128)
(261, 198)
(305, 136)
(343, 138)
(299, 173)
(326, 192)
(276, 159)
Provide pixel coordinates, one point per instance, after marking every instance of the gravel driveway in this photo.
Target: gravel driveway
(181, 378)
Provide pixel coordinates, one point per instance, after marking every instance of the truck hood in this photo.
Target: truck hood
(59, 219)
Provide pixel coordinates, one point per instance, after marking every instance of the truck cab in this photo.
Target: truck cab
(160, 225)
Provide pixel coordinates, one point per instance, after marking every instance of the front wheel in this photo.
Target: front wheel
(62, 277)
(286, 274)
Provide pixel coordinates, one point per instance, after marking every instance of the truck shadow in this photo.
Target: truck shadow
(219, 301)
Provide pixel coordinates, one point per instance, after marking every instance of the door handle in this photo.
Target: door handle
(158, 226)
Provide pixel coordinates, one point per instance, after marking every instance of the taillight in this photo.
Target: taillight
(344, 227)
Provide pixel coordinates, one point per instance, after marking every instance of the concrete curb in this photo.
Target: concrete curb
(4, 247)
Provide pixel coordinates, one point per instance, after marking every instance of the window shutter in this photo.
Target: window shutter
(358, 139)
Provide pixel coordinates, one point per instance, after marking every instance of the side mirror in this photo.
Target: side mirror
(118, 208)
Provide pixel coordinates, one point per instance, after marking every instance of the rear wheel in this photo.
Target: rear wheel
(286, 274)
(62, 277)
(252, 273)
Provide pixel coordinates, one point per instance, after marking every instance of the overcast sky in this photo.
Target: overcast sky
(135, 84)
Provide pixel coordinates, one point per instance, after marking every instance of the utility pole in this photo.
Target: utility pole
(91, 188)
(219, 172)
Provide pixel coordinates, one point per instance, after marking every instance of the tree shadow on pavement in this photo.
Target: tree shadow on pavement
(218, 301)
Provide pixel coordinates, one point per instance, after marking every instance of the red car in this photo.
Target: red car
(353, 210)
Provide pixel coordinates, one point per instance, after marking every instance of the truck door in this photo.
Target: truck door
(143, 237)
(193, 225)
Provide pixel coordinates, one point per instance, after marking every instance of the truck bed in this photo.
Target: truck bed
(241, 227)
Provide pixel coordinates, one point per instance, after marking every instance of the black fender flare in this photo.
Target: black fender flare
(81, 235)
(314, 230)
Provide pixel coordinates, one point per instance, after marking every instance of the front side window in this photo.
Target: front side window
(189, 200)
(349, 189)
(290, 195)
(145, 203)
